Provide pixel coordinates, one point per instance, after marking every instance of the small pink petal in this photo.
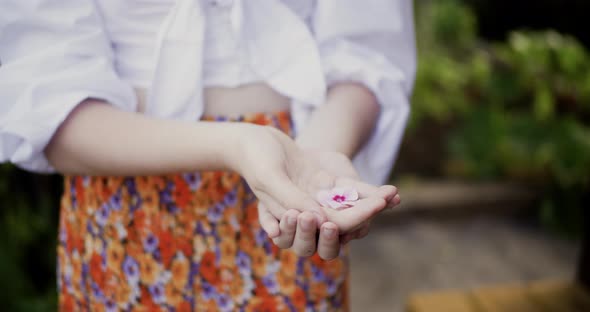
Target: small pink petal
(351, 194)
(338, 190)
(324, 197)
(338, 197)
(348, 192)
(334, 204)
(344, 206)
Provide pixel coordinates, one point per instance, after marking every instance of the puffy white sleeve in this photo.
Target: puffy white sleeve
(371, 42)
(53, 55)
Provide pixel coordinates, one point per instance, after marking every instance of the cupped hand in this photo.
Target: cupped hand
(284, 177)
(338, 163)
(298, 231)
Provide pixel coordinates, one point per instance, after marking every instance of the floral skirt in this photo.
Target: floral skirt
(183, 242)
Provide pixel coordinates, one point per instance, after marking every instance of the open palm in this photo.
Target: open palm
(373, 198)
(284, 177)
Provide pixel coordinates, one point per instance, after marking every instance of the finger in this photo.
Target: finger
(267, 221)
(356, 234)
(363, 231)
(304, 243)
(288, 227)
(388, 191)
(288, 196)
(393, 203)
(365, 190)
(392, 196)
(272, 206)
(396, 200)
(329, 244)
(346, 238)
(352, 218)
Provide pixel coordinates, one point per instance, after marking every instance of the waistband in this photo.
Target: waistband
(281, 120)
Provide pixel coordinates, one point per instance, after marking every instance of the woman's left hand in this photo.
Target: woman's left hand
(298, 230)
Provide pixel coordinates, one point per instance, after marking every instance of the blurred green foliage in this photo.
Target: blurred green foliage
(28, 227)
(519, 110)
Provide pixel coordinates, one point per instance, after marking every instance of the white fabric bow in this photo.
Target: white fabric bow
(293, 68)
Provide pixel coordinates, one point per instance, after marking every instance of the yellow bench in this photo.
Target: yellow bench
(543, 296)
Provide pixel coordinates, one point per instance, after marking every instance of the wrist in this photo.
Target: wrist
(312, 144)
(313, 148)
(236, 140)
(247, 140)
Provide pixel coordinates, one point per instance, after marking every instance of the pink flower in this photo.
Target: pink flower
(338, 197)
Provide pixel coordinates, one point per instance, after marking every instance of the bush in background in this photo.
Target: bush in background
(28, 227)
(516, 110)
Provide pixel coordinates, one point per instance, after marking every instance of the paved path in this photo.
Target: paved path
(423, 254)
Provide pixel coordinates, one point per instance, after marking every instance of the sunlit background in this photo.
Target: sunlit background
(494, 170)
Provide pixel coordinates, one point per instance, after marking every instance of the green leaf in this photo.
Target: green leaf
(544, 106)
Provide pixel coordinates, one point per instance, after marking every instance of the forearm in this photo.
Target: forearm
(344, 123)
(98, 139)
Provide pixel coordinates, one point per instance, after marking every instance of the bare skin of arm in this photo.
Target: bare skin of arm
(344, 122)
(98, 139)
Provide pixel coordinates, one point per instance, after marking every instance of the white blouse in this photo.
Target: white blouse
(224, 61)
(55, 54)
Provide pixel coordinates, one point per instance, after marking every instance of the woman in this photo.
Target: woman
(170, 119)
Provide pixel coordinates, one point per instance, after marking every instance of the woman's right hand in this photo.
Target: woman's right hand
(283, 177)
(299, 231)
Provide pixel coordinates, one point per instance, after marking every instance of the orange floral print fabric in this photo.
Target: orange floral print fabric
(184, 242)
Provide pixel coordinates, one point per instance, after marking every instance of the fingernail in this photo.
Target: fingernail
(292, 221)
(329, 233)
